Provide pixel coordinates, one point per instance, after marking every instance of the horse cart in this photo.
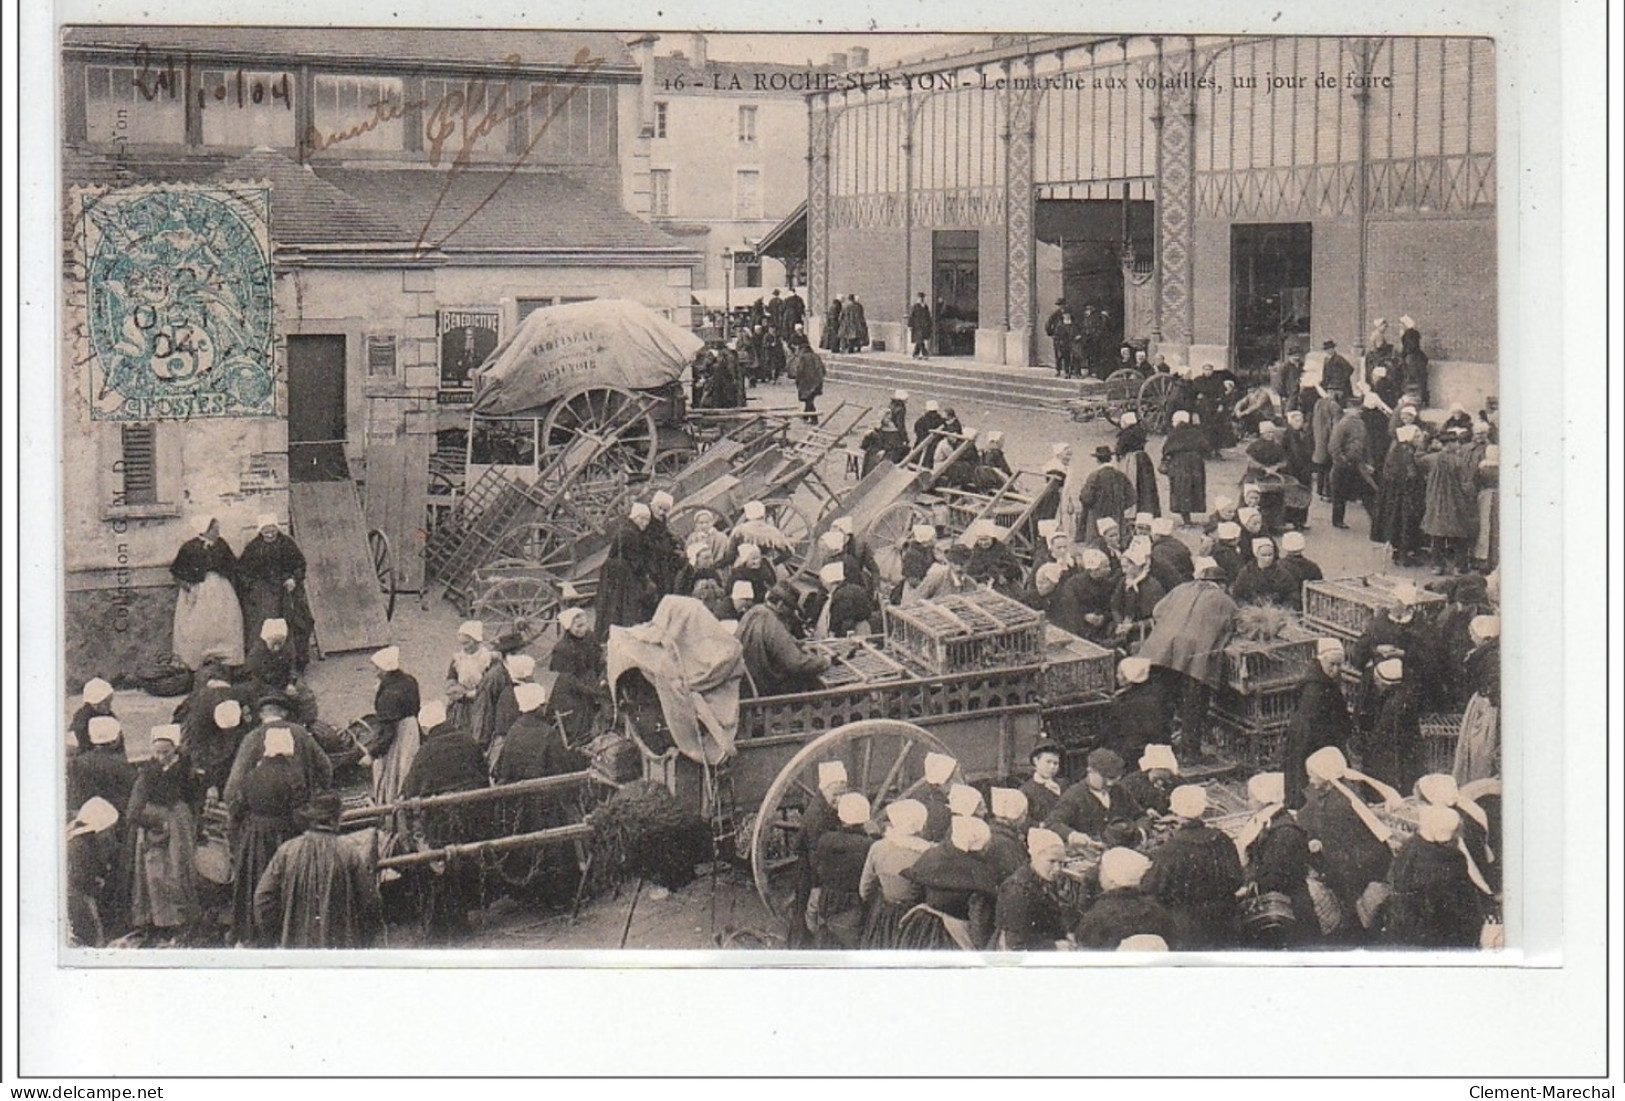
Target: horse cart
(1126, 390)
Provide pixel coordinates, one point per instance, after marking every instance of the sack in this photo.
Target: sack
(1328, 911)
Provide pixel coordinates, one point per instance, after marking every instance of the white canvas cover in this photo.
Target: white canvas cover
(557, 350)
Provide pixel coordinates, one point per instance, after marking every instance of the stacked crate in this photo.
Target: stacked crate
(1075, 670)
(965, 632)
(1439, 733)
(1255, 702)
(1346, 606)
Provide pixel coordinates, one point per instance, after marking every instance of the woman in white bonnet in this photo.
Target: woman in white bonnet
(208, 617)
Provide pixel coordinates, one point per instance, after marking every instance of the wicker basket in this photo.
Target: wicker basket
(1439, 733)
(1258, 666)
(1075, 668)
(966, 632)
(1346, 606)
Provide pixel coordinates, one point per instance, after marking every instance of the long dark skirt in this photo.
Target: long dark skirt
(880, 927)
(921, 930)
(1187, 483)
(256, 842)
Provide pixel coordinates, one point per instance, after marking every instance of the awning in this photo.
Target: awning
(788, 239)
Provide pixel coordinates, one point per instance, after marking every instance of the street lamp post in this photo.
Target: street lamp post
(727, 292)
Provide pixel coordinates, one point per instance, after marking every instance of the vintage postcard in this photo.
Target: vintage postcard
(857, 498)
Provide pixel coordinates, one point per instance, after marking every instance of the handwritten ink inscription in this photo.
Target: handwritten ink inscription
(180, 303)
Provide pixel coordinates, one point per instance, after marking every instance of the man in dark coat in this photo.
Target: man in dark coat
(795, 311)
(1196, 874)
(808, 371)
(1188, 634)
(1337, 373)
(776, 662)
(1064, 335)
(919, 327)
(1124, 908)
(1028, 913)
(271, 585)
(1351, 468)
(1320, 719)
(1087, 808)
(320, 891)
(1043, 789)
(1106, 495)
(854, 325)
(314, 764)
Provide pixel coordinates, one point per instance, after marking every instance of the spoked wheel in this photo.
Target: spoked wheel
(669, 464)
(616, 422)
(518, 595)
(888, 532)
(383, 567)
(544, 547)
(1123, 375)
(1154, 395)
(884, 759)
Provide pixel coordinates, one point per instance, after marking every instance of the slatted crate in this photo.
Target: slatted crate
(856, 661)
(1259, 666)
(1257, 710)
(1258, 747)
(915, 698)
(967, 631)
(1346, 606)
(1075, 668)
(1439, 733)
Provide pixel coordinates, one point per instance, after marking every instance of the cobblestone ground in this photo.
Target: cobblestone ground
(425, 631)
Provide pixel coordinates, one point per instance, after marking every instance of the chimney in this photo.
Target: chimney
(859, 56)
(837, 62)
(643, 49)
(696, 47)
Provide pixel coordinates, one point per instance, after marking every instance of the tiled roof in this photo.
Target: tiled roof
(421, 47)
(308, 210)
(484, 209)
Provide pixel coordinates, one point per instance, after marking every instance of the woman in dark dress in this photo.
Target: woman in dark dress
(163, 812)
(578, 659)
(262, 818)
(271, 585)
(1392, 742)
(1401, 498)
(1136, 465)
(208, 617)
(1196, 874)
(1438, 901)
(1275, 859)
(961, 892)
(1184, 460)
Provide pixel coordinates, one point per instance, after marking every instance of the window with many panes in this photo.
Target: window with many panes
(747, 125)
(661, 108)
(465, 120)
(361, 112)
(144, 109)
(240, 107)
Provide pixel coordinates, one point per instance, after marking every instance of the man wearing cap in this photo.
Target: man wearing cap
(1124, 909)
(318, 891)
(1348, 842)
(271, 585)
(1189, 630)
(165, 899)
(1440, 898)
(1155, 779)
(1301, 568)
(1450, 515)
(1106, 494)
(1044, 787)
(626, 586)
(92, 858)
(97, 700)
(1028, 915)
(774, 659)
(835, 908)
(208, 617)
(1085, 809)
(1320, 718)
(1275, 856)
(1196, 874)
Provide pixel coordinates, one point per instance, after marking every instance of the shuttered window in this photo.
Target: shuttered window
(140, 464)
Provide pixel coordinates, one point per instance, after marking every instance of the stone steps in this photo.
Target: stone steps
(952, 379)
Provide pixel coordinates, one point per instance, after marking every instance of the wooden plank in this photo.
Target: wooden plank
(397, 503)
(343, 590)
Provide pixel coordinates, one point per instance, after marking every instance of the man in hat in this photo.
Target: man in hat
(1063, 336)
(1189, 630)
(97, 700)
(774, 659)
(271, 585)
(314, 764)
(854, 325)
(1123, 909)
(1323, 418)
(1043, 789)
(919, 327)
(1084, 810)
(1321, 717)
(1336, 373)
(1196, 874)
(819, 817)
(1154, 781)
(1352, 471)
(1028, 915)
(1106, 494)
(319, 891)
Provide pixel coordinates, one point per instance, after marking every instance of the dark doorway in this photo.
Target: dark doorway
(1270, 268)
(1094, 236)
(316, 419)
(955, 280)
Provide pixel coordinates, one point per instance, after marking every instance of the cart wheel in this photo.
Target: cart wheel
(797, 529)
(887, 533)
(543, 548)
(1124, 375)
(383, 567)
(1154, 395)
(669, 464)
(884, 759)
(528, 603)
(617, 419)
